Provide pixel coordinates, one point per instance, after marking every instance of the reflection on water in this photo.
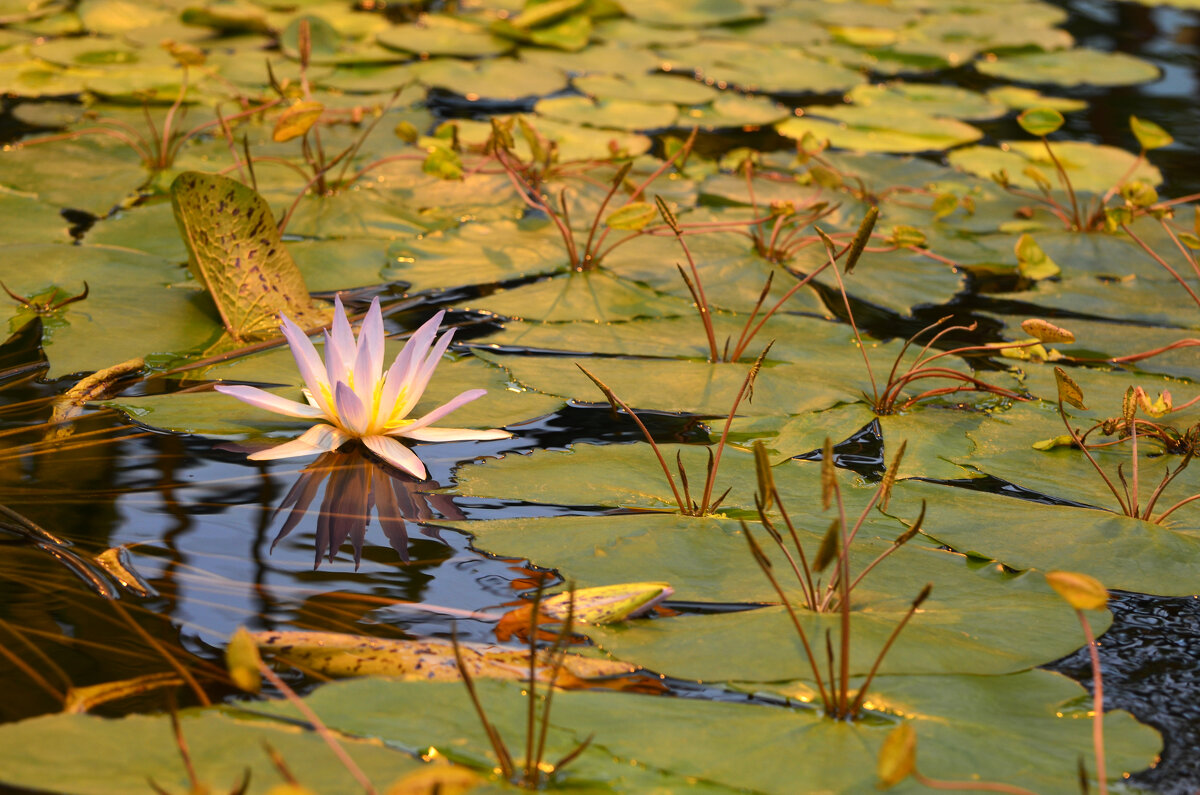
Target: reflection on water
(355, 487)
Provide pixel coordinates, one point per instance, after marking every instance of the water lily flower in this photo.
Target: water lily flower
(354, 398)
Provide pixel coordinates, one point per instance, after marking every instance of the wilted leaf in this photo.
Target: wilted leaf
(897, 756)
(235, 251)
(606, 604)
(1068, 390)
(297, 120)
(242, 660)
(1045, 331)
(432, 659)
(82, 699)
(1063, 440)
(1081, 591)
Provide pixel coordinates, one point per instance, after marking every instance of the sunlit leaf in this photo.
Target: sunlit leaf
(1079, 590)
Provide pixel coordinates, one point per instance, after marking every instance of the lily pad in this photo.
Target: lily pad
(1121, 552)
(595, 297)
(901, 129)
(104, 172)
(749, 66)
(697, 387)
(106, 755)
(443, 35)
(935, 100)
(678, 89)
(501, 79)
(40, 223)
(615, 114)
(1091, 167)
(689, 13)
(477, 254)
(1074, 67)
(1019, 729)
(1020, 98)
(128, 290)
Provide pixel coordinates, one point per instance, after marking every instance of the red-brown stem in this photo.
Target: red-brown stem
(800, 549)
(1162, 262)
(850, 314)
(1176, 507)
(1098, 704)
(737, 353)
(1137, 357)
(1079, 442)
(165, 145)
(319, 727)
(1187, 254)
(861, 696)
(701, 301)
(1134, 501)
(710, 481)
(1108, 194)
(662, 462)
(977, 786)
(765, 565)
(1066, 183)
(844, 607)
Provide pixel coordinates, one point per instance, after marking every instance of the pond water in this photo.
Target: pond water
(343, 543)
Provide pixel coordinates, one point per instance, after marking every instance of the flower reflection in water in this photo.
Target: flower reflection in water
(354, 488)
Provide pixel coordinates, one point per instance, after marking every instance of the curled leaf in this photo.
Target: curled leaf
(297, 120)
(1045, 331)
(897, 756)
(1079, 590)
(242, 660)
(1068, 390)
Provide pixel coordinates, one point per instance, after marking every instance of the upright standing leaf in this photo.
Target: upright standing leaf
(235, 251)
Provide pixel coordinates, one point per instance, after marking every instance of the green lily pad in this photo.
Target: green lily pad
(616, 114)
(900, 129)
(959, 35)
(1019, 729)
(595, 297)
(1120, 552)
(751, 67)
(974, 622)
(734, 110)
(1075, 67)
(103, 173)
(1157, 301)
(1091, 167)
(677, 89)
(494, 79)
(935, 100)
(103, 755)
(697, 387)
(39, 222)
(599, 59)
(689, 13)
(128, 290)
(1019, 98)
(442, 35)
(477, 254)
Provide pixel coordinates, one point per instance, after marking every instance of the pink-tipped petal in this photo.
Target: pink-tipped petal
(317, 439)
(395, 454)
(424, 371)
(371, 336)
(352, 414)
(455, 435)
(405, 365)
(271, 402)
(339, 345)
(312, 369)
(441, 411)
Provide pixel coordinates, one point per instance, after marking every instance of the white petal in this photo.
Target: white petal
(339, 345)
(454, 435)
(271, 402)
(395, 454)
(352, 414)
(317, 439)
(440, 411)
(420, 379)
(308, 361)
(371, 336)
(405, 366)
